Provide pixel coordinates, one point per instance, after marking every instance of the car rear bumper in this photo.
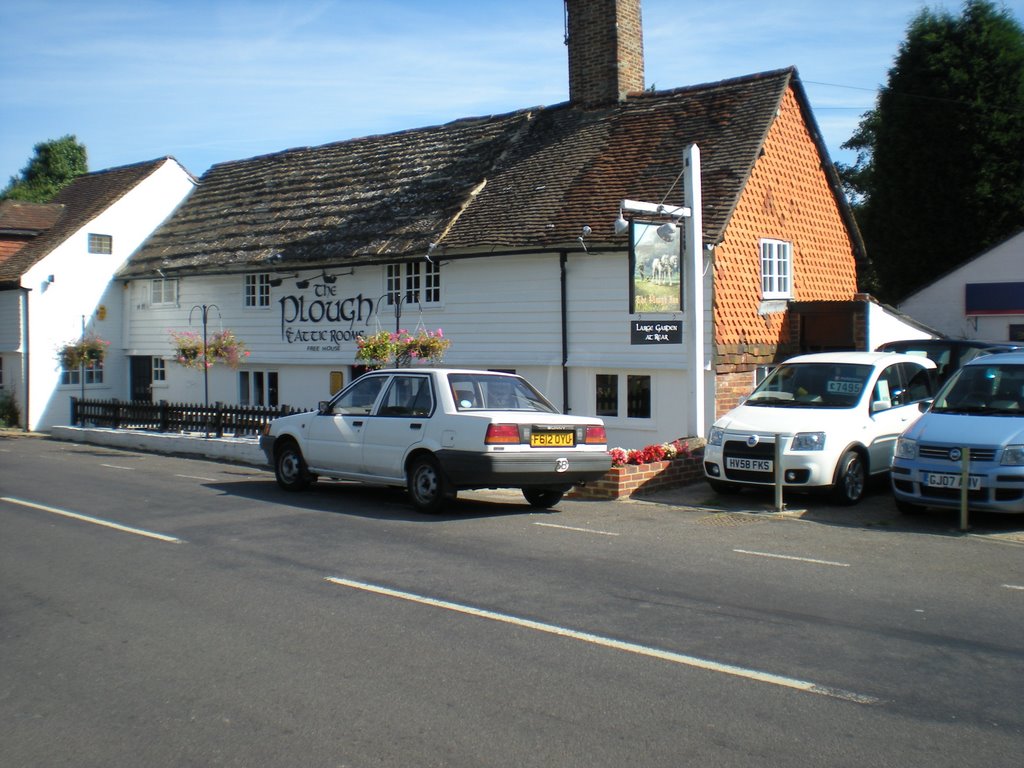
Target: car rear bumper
(520, 470)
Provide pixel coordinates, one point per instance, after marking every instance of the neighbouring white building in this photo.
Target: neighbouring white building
(57, 262)
(983, 298)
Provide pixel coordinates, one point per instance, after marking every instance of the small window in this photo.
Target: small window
(607, 395)
(414, 284)
(257, 290)
(638, 390)
(73, 376)
(776, 268)
(159, 369)
(258, 388)
(100, 243)
(164, 292)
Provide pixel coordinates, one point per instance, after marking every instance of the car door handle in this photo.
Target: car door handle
(415, 425)
(357, 423)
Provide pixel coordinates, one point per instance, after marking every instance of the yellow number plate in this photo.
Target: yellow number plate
(552, 439)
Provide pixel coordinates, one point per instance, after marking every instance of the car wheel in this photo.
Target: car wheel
(542, 498)
(851, 479)
(907, 508)
(724, 488)
(290, 468)
(427, 485)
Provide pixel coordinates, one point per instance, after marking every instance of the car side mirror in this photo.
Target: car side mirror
(880, 405)
(924, 405)
(324, 407)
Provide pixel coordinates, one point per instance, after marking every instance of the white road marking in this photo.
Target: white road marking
(197, 477)
(581, 530)
(619, 645)
(790, 557)
(93, 520)
(1013, 586)
(115, 466)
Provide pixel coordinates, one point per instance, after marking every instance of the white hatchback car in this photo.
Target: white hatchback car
(437, 431)
(835, 416)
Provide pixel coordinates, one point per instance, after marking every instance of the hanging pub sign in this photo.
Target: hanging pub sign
(656, 332)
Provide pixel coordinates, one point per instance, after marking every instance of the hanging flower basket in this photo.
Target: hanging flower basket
(402, 349)
(221, 347)
(90, 351)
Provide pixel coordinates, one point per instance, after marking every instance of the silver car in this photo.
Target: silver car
(977, 417)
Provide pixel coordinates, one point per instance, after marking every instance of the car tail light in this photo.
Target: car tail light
(595, 435)
(502, 434)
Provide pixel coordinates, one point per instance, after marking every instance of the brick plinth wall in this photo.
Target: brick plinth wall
(621, 482)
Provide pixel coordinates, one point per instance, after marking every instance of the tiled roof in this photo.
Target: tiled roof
(79, 202)
(27, 218)
(527, 180)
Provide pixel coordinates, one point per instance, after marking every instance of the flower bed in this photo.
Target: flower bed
(655, 467)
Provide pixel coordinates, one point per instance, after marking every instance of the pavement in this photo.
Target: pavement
(877, 511)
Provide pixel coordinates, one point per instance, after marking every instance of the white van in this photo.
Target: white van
(836, 416)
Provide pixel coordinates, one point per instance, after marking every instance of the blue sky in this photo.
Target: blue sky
(208, 81)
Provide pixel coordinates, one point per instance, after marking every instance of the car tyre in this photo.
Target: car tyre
(427, 485)
(290, 468)
(543, 498)
(724, 488)
(851, 479)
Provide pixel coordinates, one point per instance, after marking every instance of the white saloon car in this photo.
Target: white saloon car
(835, 416)
(437, 431)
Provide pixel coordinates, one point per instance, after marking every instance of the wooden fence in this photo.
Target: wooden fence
(219, 418)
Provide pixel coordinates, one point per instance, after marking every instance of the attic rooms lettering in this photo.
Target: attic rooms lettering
(324, 322)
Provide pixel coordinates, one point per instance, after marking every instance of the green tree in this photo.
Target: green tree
(939, 175)
(55, 164)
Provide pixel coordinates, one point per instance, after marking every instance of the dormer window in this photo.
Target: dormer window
(164, 293)
(101, 243)
(776, 269)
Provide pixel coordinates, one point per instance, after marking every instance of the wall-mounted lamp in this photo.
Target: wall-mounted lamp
(329, 279)
(586, 231)
(666, 231)
(302, 284)
(276, 281)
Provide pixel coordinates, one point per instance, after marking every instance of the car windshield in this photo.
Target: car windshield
(495, 392)
(813, 385)
(987, 389)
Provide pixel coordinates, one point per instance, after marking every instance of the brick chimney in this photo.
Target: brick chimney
(606, 50)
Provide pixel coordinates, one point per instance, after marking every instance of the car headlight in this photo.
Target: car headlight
(808, 441)
(715, 436)
(905, 448)
(1013, 455)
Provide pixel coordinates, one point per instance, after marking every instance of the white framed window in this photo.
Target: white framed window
(159, 369)
(414, 283)
(257, 290)
(101, 243)
(73, 376)
(164, 292)
(258, 388)
(611, 392)
(776, 269)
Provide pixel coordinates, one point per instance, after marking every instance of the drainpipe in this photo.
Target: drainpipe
(25, 353)
(563, 258)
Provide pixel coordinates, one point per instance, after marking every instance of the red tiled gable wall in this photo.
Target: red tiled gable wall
(787, 198)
